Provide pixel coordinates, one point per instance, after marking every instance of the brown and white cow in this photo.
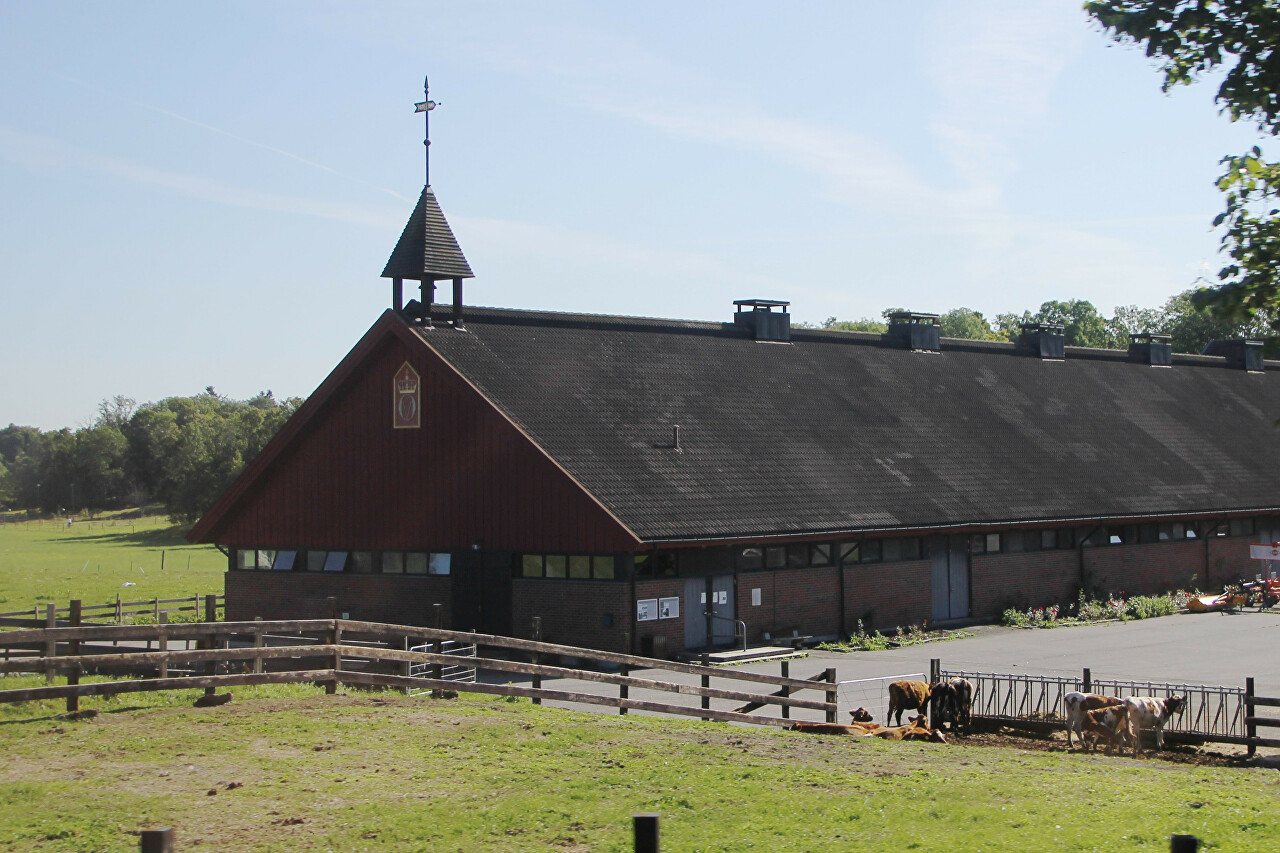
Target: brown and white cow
(907, 696)
(1079, 704)
(1146, 712)
(1110, 723)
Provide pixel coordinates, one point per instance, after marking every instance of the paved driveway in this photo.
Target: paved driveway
(1207, 648)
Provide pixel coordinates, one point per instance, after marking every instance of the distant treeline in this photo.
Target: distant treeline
(1190, 328)
(181, 452)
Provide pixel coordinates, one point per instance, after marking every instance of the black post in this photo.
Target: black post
(1088, 680)
(623, 690)
(935, 670)
(73, 648)
(1251, 728)
(706, 682)
(786, 691)
(157, 840)
(1183, 844)
(833, 694)
(457, 303)
(397, 295)
(537, 658)
(646, 832)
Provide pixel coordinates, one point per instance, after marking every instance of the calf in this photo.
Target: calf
(944, 705)
(1079, 704)
(964, 701)
(1111, 723)
(1146, 712)
(907, 696)
(917, 729)
(862, 715)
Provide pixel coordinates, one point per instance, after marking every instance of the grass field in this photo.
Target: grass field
(94, 560)
(289, 769)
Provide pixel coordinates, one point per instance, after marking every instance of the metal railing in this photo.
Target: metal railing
(460, 673)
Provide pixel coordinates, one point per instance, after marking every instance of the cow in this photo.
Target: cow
(917, 729)
(907, 696)
(862, 715)
(1079, 704)
(951, 702)
(1146, 712)
(964, 701)
(1110, 723)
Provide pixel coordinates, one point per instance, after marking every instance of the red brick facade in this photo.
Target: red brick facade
(595, 614)
(1229, 561)
(1000, 581)
(670, 630)
(804, 601)
(1145, 569)
(887, 595)
(396, 599)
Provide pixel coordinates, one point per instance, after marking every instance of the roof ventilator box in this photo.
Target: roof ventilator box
(1241, 353)
(758, 317)
(1149, 348)
(1044, 340)
(914, 331)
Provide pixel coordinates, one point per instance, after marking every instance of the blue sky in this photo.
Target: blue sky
(205, 194)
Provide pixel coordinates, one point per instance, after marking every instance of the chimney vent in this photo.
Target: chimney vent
(758, 316)
(914, 331)
(1150, 348)
(1241, 353)
(1044, 340)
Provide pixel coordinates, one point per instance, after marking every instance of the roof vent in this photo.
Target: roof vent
(1150, 348)
(758, 316)
(1044, 340)
(913, 331)
(1241, 353)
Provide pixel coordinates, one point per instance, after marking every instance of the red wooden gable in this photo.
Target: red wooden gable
(340, 475)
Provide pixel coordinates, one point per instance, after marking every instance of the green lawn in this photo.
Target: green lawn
(289, 769)
(94, 560)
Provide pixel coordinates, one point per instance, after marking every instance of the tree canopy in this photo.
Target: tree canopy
(1241, 38)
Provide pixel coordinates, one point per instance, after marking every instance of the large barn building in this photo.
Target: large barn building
(663, 484)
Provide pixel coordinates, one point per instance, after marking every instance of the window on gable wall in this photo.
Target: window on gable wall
(750, 559)
(820, 555)
(848, 552)
(284, 561)
(1242, 527)
(797, 556)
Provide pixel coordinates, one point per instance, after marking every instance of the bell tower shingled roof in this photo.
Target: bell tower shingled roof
(427, 250)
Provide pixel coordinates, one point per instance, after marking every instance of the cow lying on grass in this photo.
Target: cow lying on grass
(1146, 712)
(907, 696)
(916, 729)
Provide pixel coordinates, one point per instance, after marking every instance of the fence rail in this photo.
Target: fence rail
(113, 612)
(334, 651)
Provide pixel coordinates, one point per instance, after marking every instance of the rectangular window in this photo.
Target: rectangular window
(246, 559)
(1064, 537)
(1192, 531)
(1013, 542)
(1242, 527)
(284, 561)
(336, 561)
(315, 560)
(870, 551)
(797, 556)
(580, 567)
(750, 558)
(1048, 540)
(775, 557)
(978, 543)
(415, 563)
(439, 564)
(362, 562)
(820, 555)
(531, 566)
(1148, 533)
(557, 566)
(393, 562)
(1115, 535)
(993, 543)
(848, 553)
(1178, 530)
(1031, 540)
(602, 568)
(896, 550)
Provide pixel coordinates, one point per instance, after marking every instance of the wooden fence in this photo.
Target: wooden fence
(1212, 714)
(370, 654)
(114, 612)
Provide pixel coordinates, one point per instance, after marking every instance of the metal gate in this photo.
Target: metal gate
(460, 673)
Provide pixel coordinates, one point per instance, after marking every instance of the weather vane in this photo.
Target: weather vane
(425, 107)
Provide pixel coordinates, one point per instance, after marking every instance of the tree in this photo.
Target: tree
(1239, 37)
(966, 323)
(866, 324)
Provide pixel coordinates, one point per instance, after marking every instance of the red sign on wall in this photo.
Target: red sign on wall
(408, 397)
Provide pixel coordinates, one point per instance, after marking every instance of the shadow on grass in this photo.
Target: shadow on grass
(161, 537)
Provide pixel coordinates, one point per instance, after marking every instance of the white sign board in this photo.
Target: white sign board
(646, 609)
(1265, 552)
(668, 608)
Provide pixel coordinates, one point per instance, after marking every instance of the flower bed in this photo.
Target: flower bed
(1086, 610)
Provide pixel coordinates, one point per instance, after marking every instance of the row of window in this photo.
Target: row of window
(565, 566)
(359, 562)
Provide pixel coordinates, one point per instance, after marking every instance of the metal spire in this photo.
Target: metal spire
(425, 107)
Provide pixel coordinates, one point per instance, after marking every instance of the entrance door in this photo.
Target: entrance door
(949, 559)
(482, 591)
(723, 627)
(695, 619)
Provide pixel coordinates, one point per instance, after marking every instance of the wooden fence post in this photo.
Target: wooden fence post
(538, 658)
(119, 610)
(50, 646)
(155, 608)
(833, 693)
(335, 637)
(706, 682)
(1087, 680)
(646, 832)
(406, 666)
(257, 644)
(73, 648)
(163, 642)
(786, 691)
(157, 840)
(623, 690)
(1250, 727)
(211, 608)
(211, 668)
(1183, 844)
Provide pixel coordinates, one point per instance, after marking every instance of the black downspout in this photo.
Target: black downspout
(457, 304)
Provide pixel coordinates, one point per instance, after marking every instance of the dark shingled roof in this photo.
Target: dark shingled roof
(427, 249)
(838, 432)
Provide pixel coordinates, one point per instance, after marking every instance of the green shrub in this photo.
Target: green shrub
(1150, 606)
(1014, 618)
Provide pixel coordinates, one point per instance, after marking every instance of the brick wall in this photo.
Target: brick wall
(1229, 561)
(803, 600)
(887, 595)
(1144, 569)
(1032, 579)
(592, 614)
(397, 599)
(672, 630)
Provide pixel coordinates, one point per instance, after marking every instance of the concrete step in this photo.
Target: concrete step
(756, 653)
